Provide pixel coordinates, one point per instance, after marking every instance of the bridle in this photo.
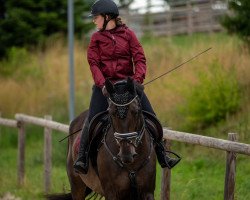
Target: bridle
(123, 105)
(135, 137)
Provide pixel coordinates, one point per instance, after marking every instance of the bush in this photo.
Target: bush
(216, 95)
(15, 56)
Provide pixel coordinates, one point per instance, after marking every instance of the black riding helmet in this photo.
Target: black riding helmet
(105, 7)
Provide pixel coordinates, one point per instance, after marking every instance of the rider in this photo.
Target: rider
(114, 52)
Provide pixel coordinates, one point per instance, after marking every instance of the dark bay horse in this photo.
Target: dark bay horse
(123, 161)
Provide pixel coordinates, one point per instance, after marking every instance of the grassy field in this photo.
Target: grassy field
(200, 175)
(37, 84)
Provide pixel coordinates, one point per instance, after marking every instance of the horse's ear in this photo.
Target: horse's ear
(131, 86)
(109, 86)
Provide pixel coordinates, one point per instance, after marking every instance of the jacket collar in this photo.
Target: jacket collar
(117, 29)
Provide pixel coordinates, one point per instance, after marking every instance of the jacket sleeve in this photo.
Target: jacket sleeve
(139, 58)
(94, 62)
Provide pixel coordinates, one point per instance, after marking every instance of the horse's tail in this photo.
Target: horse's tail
(59, 196)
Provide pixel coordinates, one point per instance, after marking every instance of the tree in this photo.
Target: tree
(238, 21)
(26, 23)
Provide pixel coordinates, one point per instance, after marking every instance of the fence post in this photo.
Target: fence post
(230, 171)
(166, 177)
(211, 18)
(189, 17)
(21, 152)
(47, 156)
(0, 126)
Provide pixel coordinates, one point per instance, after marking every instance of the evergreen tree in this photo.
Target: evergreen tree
(29, 22)
(238, 22)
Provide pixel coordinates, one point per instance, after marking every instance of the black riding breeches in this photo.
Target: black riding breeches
(99, 103)
(145, 104)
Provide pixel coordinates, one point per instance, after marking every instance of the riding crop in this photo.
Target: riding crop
(178, 66)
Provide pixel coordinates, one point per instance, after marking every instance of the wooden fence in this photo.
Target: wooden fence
(188, 18)
(231, 146)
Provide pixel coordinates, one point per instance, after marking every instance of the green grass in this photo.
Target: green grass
(200, 174)
(34, 170)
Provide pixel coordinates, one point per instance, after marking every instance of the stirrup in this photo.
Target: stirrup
(171, 162)
(168, 151)
(168, 161)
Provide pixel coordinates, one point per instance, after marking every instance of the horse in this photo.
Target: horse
(122, 163)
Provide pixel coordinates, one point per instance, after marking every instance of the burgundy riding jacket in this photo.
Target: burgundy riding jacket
(116, 54)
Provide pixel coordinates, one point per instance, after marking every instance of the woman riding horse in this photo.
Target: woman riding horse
(114, 53)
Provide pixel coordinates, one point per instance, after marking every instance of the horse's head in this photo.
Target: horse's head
(126, 117)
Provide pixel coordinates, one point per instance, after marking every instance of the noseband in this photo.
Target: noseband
(133, 138)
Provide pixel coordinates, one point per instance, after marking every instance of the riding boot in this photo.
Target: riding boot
(163, 159)
(81, 164)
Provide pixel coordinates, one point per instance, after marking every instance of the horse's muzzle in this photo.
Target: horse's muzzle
(127, 152)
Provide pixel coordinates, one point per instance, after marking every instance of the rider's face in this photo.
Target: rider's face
(98, 20)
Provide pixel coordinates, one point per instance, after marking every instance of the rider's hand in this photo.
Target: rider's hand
(104, 91)
(139, 88)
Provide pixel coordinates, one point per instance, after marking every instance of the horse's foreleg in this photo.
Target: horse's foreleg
(78, 187)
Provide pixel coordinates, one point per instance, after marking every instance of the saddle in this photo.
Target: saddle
(100, 123)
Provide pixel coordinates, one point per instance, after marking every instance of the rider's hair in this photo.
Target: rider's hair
(118, 21)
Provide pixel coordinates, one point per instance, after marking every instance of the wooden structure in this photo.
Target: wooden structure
(188, 17)
(231, 146)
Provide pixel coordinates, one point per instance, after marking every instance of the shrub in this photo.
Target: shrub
(15, 56)
(216, 95)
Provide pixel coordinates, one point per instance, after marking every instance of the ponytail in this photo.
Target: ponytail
(118, 21)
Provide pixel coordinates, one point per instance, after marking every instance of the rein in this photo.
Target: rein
(118, 160)
(138, 141)
(131, 173)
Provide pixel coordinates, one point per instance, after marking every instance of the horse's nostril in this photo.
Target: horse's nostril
(135, 155)
(126, 159)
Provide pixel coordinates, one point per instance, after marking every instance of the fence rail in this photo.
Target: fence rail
(231, 146)
(42, 122)
(205, 141)
(8, 122)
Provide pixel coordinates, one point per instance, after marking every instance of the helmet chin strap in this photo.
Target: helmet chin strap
(105, 22)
